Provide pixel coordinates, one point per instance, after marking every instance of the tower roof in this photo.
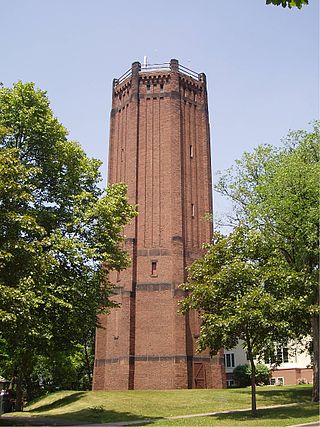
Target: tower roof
(172, 66)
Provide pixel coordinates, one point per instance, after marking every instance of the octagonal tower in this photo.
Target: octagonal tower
(160, 147)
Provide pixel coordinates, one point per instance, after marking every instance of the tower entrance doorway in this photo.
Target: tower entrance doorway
(199, 375)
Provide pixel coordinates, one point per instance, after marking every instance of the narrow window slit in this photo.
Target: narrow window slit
(154, 268)
(191, 151)
(192, 210)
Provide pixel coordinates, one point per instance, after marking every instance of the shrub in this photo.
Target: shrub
(242, 375)
(263, 374)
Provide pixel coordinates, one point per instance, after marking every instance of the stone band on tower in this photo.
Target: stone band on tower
(160, 147)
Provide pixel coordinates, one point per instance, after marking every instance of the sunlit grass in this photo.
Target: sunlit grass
(285, 416)
(108, 406)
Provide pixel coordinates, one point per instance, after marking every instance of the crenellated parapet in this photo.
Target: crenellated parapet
(159, 81)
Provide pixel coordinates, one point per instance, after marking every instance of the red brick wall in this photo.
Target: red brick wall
(146, 343)
(294, 375)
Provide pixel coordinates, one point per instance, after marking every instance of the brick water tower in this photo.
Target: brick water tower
(160, 147)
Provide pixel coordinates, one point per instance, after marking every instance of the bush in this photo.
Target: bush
(263, 374)
(242, 375)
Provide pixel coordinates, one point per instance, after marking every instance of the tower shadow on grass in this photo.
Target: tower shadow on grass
(63, 401)
(97, 415)
(91, 415)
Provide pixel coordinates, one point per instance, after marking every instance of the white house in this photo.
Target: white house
(294, 368)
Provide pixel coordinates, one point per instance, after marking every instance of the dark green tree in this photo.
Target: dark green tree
(240, 289)
(276, 191)
(59, 232)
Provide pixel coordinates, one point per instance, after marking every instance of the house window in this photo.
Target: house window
(230, 383)
(273, 358)
(280, 356)
(277, 381)
(148, 88)
(161, 88)
(154, 268)
(191, 151)
(229, 361)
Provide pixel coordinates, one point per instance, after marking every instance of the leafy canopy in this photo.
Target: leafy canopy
(289, 3)
(241, 290)
(276, 192)
(238, 289)
(58, 232)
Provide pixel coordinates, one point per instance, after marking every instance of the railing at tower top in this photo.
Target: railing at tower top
(188, 72)
(124, 76)
(155, 67)
(166, 66)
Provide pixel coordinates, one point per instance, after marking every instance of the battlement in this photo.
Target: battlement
(166, 67)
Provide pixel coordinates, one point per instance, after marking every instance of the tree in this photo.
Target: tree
(238, 289)
(289, 3)
(59, 232)
(276, 191)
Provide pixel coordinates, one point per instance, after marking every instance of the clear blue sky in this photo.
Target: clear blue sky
(261, 62)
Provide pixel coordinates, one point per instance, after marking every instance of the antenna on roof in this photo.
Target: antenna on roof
(145, 61)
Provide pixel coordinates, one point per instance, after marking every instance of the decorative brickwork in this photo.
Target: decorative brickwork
(160, 147)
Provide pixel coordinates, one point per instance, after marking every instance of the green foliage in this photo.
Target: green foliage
(276, 191)
(61, 370)
(237, 288)
(263, 374)
(242, 375)
(244, 289)
(289, 3)
(58, 231)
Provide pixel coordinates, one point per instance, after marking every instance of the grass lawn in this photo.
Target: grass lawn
(286, 416)
(110, 406)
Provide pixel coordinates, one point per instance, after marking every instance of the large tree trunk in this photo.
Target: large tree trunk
(315, 336)
(19, 393)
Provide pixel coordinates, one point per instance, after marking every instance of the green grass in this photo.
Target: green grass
(266, 417)
(111, 406)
